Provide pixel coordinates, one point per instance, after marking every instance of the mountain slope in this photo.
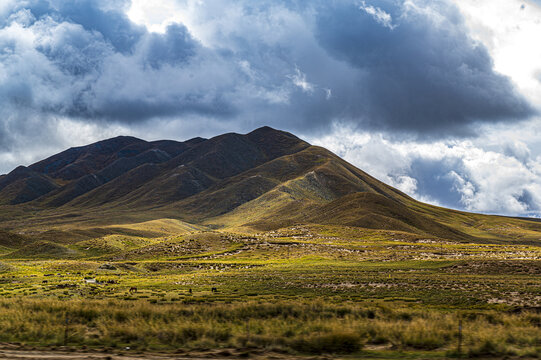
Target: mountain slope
(76, 171)
(24, 185)
(203, 165)
(266, 179)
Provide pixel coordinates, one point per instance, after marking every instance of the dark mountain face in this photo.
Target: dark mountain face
(204, 164)
(24, 185)
(163, 171)
(80, 161)
(264, 179)
(71, 173)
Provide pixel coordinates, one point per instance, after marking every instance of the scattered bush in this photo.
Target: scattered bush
(333, 343)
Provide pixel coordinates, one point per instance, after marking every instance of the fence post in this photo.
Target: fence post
(460, 337)
(66, 332)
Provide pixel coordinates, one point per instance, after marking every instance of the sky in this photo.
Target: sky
(441, 99)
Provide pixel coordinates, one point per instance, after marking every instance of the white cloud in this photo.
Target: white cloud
(155, 15)
(299, 80)
(378, 14)
(511, 33)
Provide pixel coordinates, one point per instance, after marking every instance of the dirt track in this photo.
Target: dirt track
(36, 354)
(16, 353)
(21, 354)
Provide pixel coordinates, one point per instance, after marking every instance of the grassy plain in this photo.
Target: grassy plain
(300, 290)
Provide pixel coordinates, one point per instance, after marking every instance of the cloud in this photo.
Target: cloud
(379, 15)
(174, 48)
(425, 75)
(399, 66)
(458, 174)
(517, 150)
(112, 23)
(75, 71)
(77, 60)
(510, 35)
(299, 80)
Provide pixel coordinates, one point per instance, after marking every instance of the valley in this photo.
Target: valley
(254, 245)
(385, 291)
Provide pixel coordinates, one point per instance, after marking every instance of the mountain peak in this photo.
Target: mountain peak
(265, 129)
(265, 179)
(268, 131)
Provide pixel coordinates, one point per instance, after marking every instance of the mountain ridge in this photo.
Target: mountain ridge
(265, 179)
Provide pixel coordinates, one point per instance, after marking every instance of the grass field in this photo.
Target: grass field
(301, 290)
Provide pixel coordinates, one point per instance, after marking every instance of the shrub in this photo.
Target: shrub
(333, 343)
(487, 348)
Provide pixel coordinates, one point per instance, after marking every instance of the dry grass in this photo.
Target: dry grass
(310, 327)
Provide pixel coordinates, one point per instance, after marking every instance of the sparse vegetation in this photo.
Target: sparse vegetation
(306, 327)
(299, 290)
(289, 250)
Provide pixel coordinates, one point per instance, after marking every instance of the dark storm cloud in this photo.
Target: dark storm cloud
(174, 48)
(530, 202)
(392, 65)
(424, 74)
(140, 109)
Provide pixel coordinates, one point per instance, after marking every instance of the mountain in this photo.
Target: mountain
(264, 180)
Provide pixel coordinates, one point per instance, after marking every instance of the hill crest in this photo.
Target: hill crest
(265, 179)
